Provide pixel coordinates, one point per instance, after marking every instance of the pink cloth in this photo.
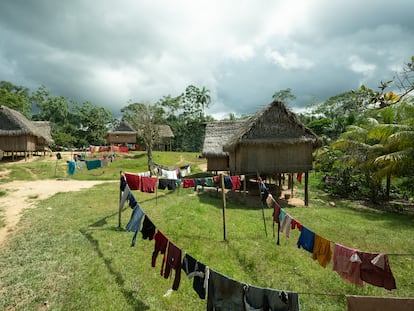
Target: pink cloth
(148, 184)
(347, 263)
(236, 183)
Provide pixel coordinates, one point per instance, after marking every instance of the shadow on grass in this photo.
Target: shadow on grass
(128, 294)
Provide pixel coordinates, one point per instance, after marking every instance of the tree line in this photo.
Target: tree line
(368, 135)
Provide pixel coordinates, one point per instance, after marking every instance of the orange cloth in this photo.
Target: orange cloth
(322, 250)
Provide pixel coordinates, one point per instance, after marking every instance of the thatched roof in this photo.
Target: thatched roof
(45, 130)
(217, 134)
(165, 131)
(275, 124)
(123, 128)
(13, 123)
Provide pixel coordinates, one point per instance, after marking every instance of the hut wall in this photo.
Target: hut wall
(121, 139)
(271, 159)
(218, 164)
(18, 143)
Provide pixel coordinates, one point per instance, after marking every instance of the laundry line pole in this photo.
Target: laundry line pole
(224, 206)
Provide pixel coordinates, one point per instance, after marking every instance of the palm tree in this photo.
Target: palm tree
(204, 98)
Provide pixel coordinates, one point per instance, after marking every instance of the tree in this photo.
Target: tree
(284, 95)
(15, 97)
(144, 118)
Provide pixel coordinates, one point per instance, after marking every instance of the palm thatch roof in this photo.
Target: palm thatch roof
(45, 130)
(273, 125)
(217, 134)
(13, 123)
(123, 128)
(165, 131)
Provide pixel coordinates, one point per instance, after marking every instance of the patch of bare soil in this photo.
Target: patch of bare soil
(21, 195)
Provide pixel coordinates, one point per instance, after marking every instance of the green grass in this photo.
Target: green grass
(70, 254)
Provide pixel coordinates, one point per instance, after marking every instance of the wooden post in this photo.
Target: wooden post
(259, 181)
(224, 206)
(120, 207)
(244, 189)
(306, 189)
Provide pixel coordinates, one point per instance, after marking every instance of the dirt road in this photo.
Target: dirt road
(21, 195)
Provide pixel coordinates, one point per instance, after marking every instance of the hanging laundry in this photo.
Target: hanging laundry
(132, 201)
(224, 293)
(173, 261)
(209, 181)
(124, 196)
(71, 167)
(322, 250)
(134, 224)
(235, 182)
(199, 272)
(122, 183)
(160, 246)
(170, 184)
(148, 184)
(296, 224)
(169, 174)
(259, 298)
(372, 303)
(286, 224)
(199, 182)
(375, 270)
(133, 181)
(282, 215)
(148, 229)
(306, 239)
(346, 263)
(93, 164)
(188, 182)
(228, 184)
(299, 177)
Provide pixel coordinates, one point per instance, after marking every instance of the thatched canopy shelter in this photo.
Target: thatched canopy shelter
(18, 134)
(123, 133)
(273, 140)
(216, 135)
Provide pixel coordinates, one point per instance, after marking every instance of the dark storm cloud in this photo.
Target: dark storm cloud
(111, 52)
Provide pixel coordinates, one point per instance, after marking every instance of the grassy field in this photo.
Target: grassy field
(69, 253)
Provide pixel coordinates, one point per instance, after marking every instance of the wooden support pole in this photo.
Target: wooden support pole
(259, 181)
(224, 206)
(306, 188)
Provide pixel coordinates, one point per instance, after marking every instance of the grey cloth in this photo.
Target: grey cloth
(265, 299)
(224, 293)
(135, 223)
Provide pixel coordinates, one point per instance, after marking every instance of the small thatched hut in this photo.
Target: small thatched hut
(217, 134)
(122, 134)
(165, 137)
(18, 134)
(273, 140)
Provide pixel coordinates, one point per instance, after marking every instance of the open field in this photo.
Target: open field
(67, 252)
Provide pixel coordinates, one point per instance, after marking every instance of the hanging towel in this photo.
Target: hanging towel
(188, 183)
(133, 181)
(375, 270)
(306, 239)
(93, 164)
(322, 250)
(346, 263)
(286, 224)
(125, 195)
(134, 224)
(235, 182)
(148, 184)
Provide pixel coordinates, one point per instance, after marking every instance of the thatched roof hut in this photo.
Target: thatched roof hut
(273, 140)
(217, 134)
(123, 133)
(18, 134)
(165, 136)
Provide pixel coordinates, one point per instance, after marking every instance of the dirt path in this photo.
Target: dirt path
(22, 195)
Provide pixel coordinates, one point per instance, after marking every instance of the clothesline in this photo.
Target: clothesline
(352, 265)
(237, 293)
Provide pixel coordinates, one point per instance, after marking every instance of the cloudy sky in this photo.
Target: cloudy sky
(114, 52)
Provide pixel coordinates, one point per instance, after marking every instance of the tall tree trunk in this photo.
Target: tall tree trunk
(388, 187)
